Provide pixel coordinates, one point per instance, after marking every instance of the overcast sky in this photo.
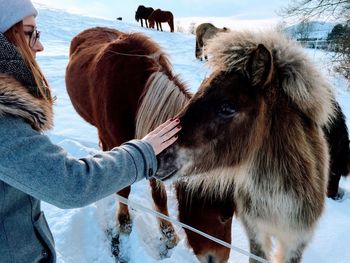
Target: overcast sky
(235, 9)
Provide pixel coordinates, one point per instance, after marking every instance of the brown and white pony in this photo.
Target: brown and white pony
(253, 133)
(123, 84)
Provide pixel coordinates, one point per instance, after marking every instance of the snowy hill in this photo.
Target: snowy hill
(84, 235)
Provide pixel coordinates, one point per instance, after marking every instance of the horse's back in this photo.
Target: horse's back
(105, 78)
(206, 31)
(203, 27)
(162, 16)
(83, 51)
(92, 37)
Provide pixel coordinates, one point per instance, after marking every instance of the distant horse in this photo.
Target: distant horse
(143, 12)
(204, 32)
(119, 18)
(126, 96)
(253, 133)
(158, 16)
(338, 141)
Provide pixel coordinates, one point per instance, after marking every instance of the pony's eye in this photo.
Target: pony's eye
(226, 110)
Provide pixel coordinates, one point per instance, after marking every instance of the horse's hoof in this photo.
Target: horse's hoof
(170, 237)
(340, 196)
(115, 246)
(125, 224)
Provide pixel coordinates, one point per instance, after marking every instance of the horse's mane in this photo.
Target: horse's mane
(298, 77)
(163, 100)
(165, 94)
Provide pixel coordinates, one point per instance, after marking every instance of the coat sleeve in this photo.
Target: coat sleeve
(34, 165)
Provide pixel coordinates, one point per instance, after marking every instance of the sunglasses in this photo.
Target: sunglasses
(34, 36)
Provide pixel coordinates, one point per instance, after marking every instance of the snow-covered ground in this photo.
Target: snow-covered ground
(83, 235)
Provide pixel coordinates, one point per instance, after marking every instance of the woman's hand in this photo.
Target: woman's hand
(164, 135)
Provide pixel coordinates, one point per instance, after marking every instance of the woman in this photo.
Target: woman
(34, 169)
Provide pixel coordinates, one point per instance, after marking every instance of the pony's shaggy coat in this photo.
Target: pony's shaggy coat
(253, 131)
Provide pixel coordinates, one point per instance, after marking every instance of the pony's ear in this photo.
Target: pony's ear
(260, 66)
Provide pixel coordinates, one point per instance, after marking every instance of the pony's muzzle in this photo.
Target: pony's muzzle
(167, 167)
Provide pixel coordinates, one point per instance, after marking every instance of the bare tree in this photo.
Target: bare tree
(303, 30)
(336, 9)
(308, 9)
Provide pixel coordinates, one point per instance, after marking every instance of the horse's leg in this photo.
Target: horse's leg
(160, 200)
(213, 217)
(290, 254)
(171, 25)
(198, 50)
(146, 22)
(141, 22)
(204, 52)
(123, 215)
(259, 245)
(160, 25)
(333, 185)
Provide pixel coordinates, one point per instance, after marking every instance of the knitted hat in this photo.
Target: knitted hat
(13, 11)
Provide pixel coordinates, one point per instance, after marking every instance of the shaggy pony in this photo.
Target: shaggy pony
(254, 132)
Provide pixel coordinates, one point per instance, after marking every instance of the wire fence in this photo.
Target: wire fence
(139, 207)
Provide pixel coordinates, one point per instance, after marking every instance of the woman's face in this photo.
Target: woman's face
(31, 33)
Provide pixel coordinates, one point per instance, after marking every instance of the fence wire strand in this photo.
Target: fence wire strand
(174, 221)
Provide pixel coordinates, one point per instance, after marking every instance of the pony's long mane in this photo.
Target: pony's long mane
(298, 77)
(163, 99)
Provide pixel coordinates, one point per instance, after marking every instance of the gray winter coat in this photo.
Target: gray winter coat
(34, 169)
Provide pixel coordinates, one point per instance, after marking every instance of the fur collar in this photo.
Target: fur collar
(16, 100)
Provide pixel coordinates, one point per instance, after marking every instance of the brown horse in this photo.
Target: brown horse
(254, 133)
(143, 12)
(109, 77)
(204, 32)
(158, 16)
(113, 79)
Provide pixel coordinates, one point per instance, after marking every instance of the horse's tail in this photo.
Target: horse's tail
(349, 158)
(171, 22)
(163, 100)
